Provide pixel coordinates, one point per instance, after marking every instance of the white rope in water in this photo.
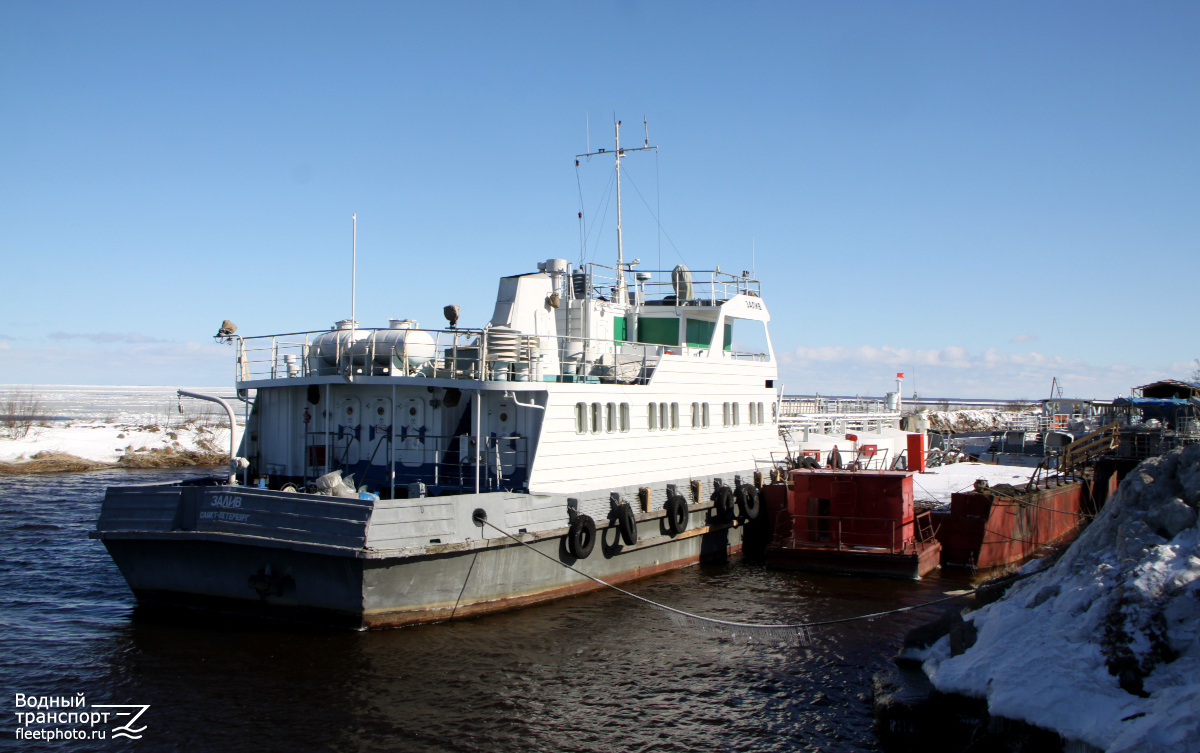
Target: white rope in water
(799, 634)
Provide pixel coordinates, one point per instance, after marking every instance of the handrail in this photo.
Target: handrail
(456, 354)
(232, 428)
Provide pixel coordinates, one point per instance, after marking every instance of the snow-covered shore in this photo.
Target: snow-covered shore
(72, 427)
(109, 443)
(1103, 646)
(980, 420)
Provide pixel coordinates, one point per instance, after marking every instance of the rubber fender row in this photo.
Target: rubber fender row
(744, 502)
(581, 537)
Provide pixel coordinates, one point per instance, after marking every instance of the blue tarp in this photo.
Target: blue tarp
(1166, 409)
(1162, 403)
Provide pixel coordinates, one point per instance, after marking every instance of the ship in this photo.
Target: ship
(605, 424)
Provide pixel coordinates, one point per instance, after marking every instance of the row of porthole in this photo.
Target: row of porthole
(611, 417)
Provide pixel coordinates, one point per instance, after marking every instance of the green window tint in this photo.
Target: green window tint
(700, 333)
(619, 328)
(658, 331)
(728, 335)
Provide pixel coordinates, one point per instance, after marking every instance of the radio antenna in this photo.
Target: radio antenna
(353, 263)
(618, 153)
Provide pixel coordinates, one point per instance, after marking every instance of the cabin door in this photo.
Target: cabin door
(505, 443)
(412, 427)
(347, 439)
(379, 426)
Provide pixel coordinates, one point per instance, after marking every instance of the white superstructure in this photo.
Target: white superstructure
(565, 390)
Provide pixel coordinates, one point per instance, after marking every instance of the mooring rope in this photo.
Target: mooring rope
(797, 633)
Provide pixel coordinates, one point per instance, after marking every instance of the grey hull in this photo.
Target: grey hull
(303, 557)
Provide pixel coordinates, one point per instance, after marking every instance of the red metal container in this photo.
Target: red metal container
(852, 508)
(916, 452)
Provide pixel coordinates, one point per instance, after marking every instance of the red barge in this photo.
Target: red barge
(990, 527)
(849, 521)
(865, 522)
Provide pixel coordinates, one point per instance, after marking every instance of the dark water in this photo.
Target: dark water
(593, 673)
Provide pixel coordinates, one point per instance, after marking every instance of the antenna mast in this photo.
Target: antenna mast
(622, 288)
(353, 262)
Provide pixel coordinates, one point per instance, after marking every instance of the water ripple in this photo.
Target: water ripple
(591, 673)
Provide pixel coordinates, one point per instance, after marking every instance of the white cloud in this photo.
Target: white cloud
(1024, 338)
(953, 371)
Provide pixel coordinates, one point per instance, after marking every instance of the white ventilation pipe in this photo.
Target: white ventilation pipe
(233, 460)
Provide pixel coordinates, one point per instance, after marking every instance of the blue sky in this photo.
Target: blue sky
(987, 195)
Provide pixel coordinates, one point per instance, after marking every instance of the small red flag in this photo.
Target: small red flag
(900, 375)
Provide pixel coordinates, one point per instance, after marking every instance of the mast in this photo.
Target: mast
(353, 262)
(622, 295)
(622, 286)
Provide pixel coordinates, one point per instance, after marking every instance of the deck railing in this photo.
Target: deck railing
(475, 354)
(709, 287)
(841, 533)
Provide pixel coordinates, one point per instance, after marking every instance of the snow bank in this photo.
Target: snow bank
(981, 420)
(1103, 646)
(109, 442)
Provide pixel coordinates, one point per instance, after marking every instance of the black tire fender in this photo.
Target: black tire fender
(749, 504)
(627, 524)
(581, 538)
(723, 498)
(678, 515)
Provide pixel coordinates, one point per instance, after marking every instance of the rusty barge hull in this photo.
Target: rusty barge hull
(990, 530)
(323, 578)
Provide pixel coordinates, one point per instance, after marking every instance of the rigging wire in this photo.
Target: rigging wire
(605, 197)
(652, 212)
(658, 203)
(794, 634)
(579, 186)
